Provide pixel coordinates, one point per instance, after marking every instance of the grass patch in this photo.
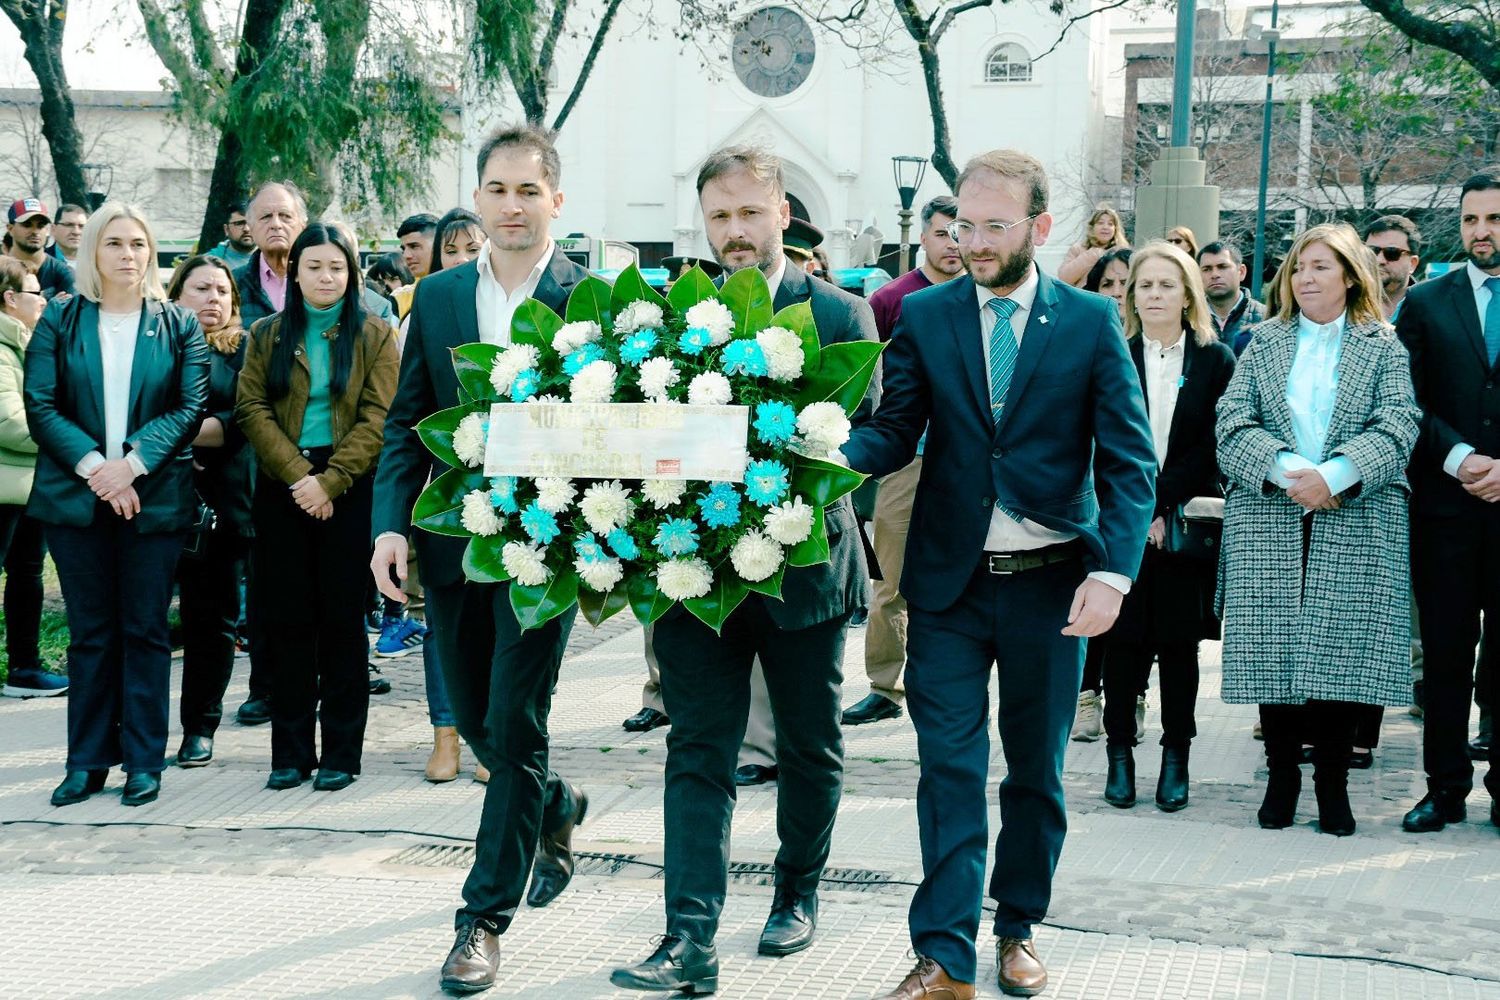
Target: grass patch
(54, 636)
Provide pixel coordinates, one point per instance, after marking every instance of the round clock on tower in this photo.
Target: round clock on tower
(773, 51)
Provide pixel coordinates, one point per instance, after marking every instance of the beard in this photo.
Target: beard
(1483, 259)
(1393, 283)
(1010, 268)
(765, 256)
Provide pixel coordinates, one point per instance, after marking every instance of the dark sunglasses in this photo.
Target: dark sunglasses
(1391, 254)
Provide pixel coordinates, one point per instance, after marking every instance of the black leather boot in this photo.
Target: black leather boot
(1331, 784)
(1119, 784)
(1172, 784)
(1283, 786)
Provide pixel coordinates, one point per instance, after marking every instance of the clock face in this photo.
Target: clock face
(773, 51)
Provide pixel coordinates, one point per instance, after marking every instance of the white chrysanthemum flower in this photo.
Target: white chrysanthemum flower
(594, 383)
(657, 376)
(511, 362)
(554, 495)
(663, 493)
(572, 336)
(791, 522)
(548, 398)
(684, 579)
(783, 351)
(755, 556)
(601, 574)
(479, 514)
(709, 389)
(638, 316)
(823, 427)
(605, 506)
(713, 316)
(468, 440)
(524, 563)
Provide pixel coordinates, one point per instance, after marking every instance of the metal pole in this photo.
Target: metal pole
(905, 259)
(1259, 267)
(1182, 75)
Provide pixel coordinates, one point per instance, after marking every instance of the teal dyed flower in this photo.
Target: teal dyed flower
(582, 358)
(745, 357)
(767, 482)
(539, 525)
(589, 550)
(526, 385)
(720, 506)
(694, 341)
(638, 347)
(677, 536)
(622, 544)
(503, 494)
(775, 423)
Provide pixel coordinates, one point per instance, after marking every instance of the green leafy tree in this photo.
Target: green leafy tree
(1469, 30)
(516, 41)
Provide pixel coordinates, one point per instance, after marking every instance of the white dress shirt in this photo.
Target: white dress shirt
(1312, 386)
(1477, 278)
(494, 306)
(774, 278)
(1163, 383)
(117, 336)
(1006, 534)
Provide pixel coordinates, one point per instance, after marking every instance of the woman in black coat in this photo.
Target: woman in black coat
(1184, 370)
(115, 383)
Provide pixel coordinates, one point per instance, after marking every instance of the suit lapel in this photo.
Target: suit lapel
(465, 306)
(558, 281)
(1468, 316)
(1187, 395)
(1353, 390)
(1034, 341)
(142, 357)
(1281, 350)
(794, 288)
(967, 342)
(93, 357)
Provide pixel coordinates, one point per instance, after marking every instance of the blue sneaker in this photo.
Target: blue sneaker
(35, 684)
(399, 636)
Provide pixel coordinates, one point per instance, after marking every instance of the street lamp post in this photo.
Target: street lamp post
(1271, 36)
(908, 171)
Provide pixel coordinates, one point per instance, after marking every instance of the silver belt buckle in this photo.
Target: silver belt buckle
(993, 559)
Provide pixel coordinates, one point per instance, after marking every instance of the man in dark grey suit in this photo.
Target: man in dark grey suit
(800, 641)
(499, 678)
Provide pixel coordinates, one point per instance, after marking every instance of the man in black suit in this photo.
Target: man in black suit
(499, 678)
(1026, 531)
(800, 641)
(1451, 327)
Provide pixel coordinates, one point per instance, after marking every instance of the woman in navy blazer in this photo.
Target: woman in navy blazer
(116, 380)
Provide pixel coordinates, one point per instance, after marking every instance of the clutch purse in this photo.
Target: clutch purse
(204, 521)
(1196, 528)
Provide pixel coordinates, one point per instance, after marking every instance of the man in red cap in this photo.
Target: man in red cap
(27, 229)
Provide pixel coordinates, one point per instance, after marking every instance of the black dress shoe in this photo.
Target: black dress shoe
(1172, 783)
(676, 964)
(1479, 747)
(554, 857)
(1361, 760)
(286, 777)
(872, 708)
(789, 929)
(475, 959)
(140, 789)
(755, 774)
(77, 786)
(195, 751)
(255, 712)
(378, 684)
(646, 720)
(1435, 811)
(329, 780)
(1119, 780)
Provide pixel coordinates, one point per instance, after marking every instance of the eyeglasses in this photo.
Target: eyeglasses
(1391, 254)
(963, 232)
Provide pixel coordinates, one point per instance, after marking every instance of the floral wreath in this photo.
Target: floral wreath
(606, 544)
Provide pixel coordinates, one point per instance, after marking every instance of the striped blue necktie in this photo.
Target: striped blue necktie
(1492, 320)
(1003, 351)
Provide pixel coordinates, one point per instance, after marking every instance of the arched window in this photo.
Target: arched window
(1007, 63)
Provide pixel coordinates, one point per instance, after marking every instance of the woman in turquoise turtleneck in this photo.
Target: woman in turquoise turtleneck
(318, 378)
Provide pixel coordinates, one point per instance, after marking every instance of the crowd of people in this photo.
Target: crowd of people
(1081, 477)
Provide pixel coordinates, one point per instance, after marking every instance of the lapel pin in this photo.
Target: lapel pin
(1042, 320)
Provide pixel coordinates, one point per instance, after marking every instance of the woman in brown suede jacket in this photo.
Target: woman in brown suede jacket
(313, 394)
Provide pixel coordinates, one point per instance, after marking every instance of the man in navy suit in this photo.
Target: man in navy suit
(1028, 526)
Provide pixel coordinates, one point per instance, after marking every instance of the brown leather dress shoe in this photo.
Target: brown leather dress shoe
(1022, 974)
(474, 960)
(928, 981)
(554, 856)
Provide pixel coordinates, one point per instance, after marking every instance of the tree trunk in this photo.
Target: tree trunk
(41, 25)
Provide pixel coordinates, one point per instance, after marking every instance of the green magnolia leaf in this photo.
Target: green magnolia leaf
(534, 324)
(598, 608)
(536, 606)
(691, 289)
(436, 431)
(798, 318)
(646, 601)
(748, 296)
(482, 562)
(715, 607)
(472, 364)
(843, 375)
(589, 302)
(630, 287)
(820, 483)
(771, 585)
(440, 507)
(813, 549)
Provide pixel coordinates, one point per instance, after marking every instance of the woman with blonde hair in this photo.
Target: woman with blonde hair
(1183, 370)
(1104, 232)
(1183, 239)
(1315, 431)
(116, 380)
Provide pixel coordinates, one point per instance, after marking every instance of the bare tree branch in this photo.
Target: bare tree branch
(1476, 42)
(1070, 22)
(587, 69)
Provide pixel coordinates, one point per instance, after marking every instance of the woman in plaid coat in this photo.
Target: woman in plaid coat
(1315, 431)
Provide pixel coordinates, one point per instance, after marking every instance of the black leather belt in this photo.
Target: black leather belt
(1006, 563)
